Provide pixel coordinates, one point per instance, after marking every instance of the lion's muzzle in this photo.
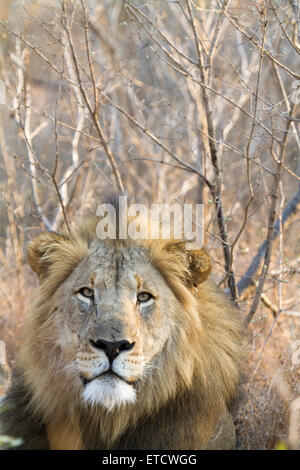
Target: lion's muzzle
(112, 349)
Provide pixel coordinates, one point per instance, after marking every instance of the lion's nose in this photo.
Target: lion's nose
(112, 349)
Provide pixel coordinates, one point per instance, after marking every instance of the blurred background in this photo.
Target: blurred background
(170, 101)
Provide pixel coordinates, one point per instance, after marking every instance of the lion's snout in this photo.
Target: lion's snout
(112, 348)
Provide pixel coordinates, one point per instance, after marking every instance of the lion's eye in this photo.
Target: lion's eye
(144, 297)
(85, 294)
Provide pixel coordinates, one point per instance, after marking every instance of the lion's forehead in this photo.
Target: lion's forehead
(116, 254)
(109, 267)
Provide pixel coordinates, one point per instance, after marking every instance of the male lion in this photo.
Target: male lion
(128, 345)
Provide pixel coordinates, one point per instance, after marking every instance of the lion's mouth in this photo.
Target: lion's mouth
(109, 373)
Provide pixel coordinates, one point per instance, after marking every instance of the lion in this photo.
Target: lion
(128, 345)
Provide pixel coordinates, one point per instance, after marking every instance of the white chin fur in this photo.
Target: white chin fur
(108, 392)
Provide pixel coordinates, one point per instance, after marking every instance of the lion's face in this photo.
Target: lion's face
(112, 315)
(115, 310)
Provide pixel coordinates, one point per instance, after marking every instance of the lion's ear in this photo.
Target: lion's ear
(41, 251)
(192, 266)
(199, 263)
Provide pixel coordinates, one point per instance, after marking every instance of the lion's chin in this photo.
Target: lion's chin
(109, 391)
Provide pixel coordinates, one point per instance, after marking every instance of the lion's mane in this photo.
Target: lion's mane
(194, 381)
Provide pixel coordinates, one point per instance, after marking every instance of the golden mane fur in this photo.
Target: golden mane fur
(197, 371)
